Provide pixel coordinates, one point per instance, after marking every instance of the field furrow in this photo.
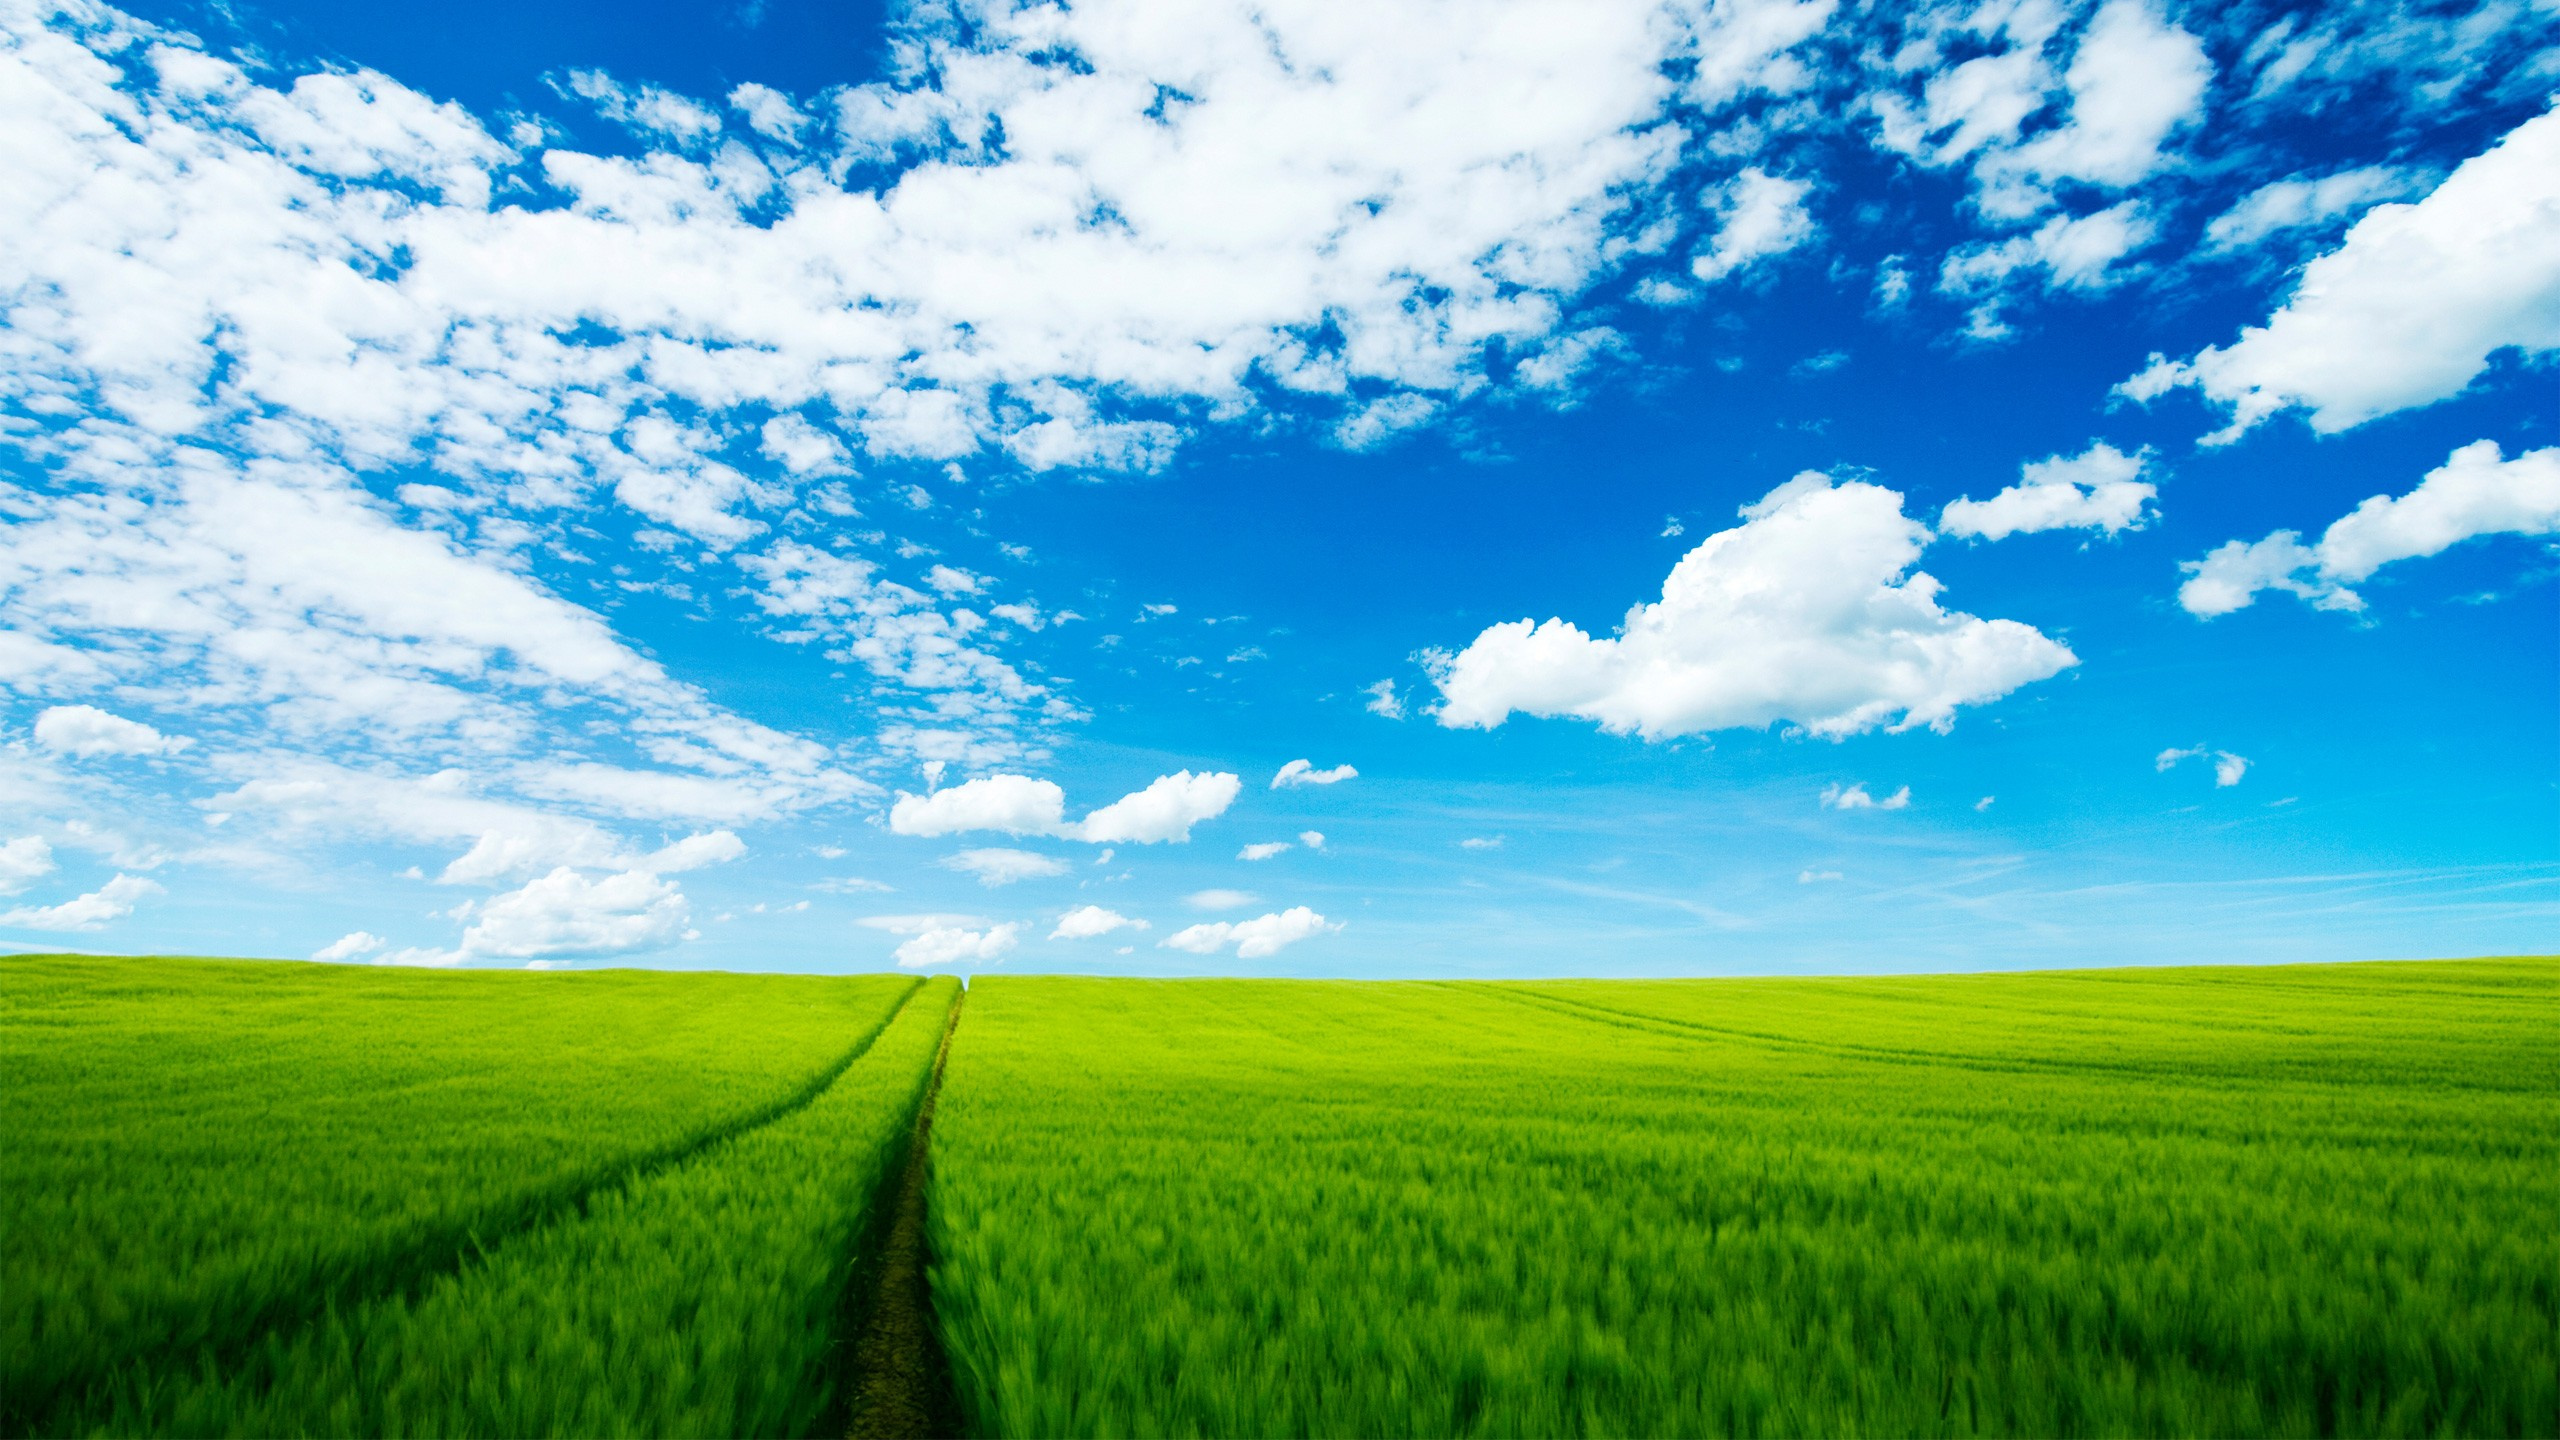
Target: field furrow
(216, 1152)
(706, 1299)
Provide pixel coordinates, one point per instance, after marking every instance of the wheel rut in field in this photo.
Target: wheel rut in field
(899, 1386)
(447, 1252)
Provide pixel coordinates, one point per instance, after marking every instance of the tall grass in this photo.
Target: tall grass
(2314, 1200)
(198, 1152)
(706, 1299)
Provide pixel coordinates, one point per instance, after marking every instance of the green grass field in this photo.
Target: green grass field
(2318, 1200)
(252, 1198)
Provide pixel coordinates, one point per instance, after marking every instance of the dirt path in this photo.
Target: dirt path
(901, 1381)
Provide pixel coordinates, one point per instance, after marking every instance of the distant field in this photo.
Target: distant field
(2311, 1200)
(261, 1198)
(282, 1199)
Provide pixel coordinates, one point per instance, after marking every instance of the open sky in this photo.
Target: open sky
(1179, 486)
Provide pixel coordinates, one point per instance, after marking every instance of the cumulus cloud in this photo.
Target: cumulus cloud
(1252, 939)
(2098, 489)
(23, 862)
(86, 731)
(1808, 613)
(349, 946)
(2476, 492)
(1163, 812)
(1383, 700)
(1086, 922)
(995, 867)
(1835, 796)
(2134, 79)
(567, 914)
(109, 902)
(1013, 804)
(1312, 839)
(693, 852)
(1760, 215)
(1263, 850)
(937, 939)
(1301, 772)
(2409, 307)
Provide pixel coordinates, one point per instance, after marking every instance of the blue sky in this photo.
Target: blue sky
(816, 487)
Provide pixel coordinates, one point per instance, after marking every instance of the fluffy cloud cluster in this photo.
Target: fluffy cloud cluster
(1163, 812)
(2410, 308)
(2099, 489)
(2476, 492)
(1087, 922)
(109, 902)
(947, 939)
(1807, 613)
(86, 731)
(1836, 796)
(1253, 939)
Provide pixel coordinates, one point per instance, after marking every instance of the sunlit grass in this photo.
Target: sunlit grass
(2302, 1201)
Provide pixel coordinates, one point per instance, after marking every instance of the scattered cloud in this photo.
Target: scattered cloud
(1759, 216)
(2409, 308)
(1312, 839)
(1383, 700)
(952, 946)
(1300, 772)
(2476, 492)
(349, 946)
(109, 902)
(1262, 851)
(24, 861)
(1855, 797)
(1807, 612)
(1816, 877)
(995, 867)
(1088, 921)
(2227, 767)
(1481, 842)
(567, 914)
(85, 731)
(1220, 899)
(1253, 939)
(2099, 489)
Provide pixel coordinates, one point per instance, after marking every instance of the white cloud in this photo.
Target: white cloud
(1254, 939)
(567, 914)
(2134, 79)
(1312, 839)
(2227, 767)
(1803, 613)
(1383, 700)
(1815, 877)
(1164, 811)
(23, 862)
(1761, 215)
(953, 582)
(2409, 308)
(87, 731)
(714, 847)
(1220, 899)
(919, 924)
(1088, 921)
(1263, 850)
(2283, 206)
(349, 946)
(109, 902)
(1984, 803)
(2476, 492)
(1014, 804)
(1855, 797)
(1481, 842)
(995, 867)
(2072, 252)
(1300, 772)
(952, 945)
(1019, 805)
(2099, 489)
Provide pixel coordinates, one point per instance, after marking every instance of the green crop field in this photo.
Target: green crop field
(287, 1199)
(258, 1198)
(2313, 1200)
